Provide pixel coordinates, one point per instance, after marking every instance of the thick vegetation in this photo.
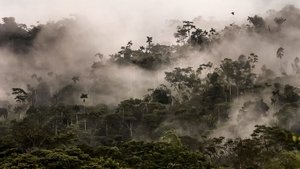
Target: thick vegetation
(172, 126)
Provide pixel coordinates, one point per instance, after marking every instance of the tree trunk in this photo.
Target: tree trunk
(85, 125)
(76, 118)
(19, 115)
(229, 85)
(230, 92)
(55, 128)
(123, 115)
(130, 129)
(225, 94)
(106, 129)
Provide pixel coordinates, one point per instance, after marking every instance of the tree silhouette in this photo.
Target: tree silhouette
(75, 79)
(280, 52)
(296, 66)
(279, 20)
(258, 23)
(83, 96)
(21, 95)
(149, 40)
(126, 51)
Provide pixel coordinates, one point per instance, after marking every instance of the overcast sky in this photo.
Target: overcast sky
(31, 11)
(136, 18)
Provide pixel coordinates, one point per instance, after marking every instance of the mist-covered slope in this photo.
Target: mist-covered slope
(216, 97)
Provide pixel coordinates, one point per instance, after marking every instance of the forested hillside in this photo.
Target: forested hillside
(225, 98)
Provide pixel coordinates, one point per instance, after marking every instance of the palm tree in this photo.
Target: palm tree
(75, 79)
(142, 48)
(129, 44)
(149, 40)
(83, 97)
(126, 51)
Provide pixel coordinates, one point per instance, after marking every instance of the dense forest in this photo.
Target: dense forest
(220, 99)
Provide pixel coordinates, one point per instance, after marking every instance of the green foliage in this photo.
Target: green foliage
(258, 23)
(161, 94)
(57, 158)
(171, 138)
(283, 160)
(264, 147)
(154, 155)
(196, 37)
(170, 119)
(153, 57)
(38, 129)
(199, 98)
(21, 95)
(184, 80)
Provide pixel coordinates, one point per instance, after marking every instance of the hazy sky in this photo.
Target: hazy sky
(31, 11)
(121, 20)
